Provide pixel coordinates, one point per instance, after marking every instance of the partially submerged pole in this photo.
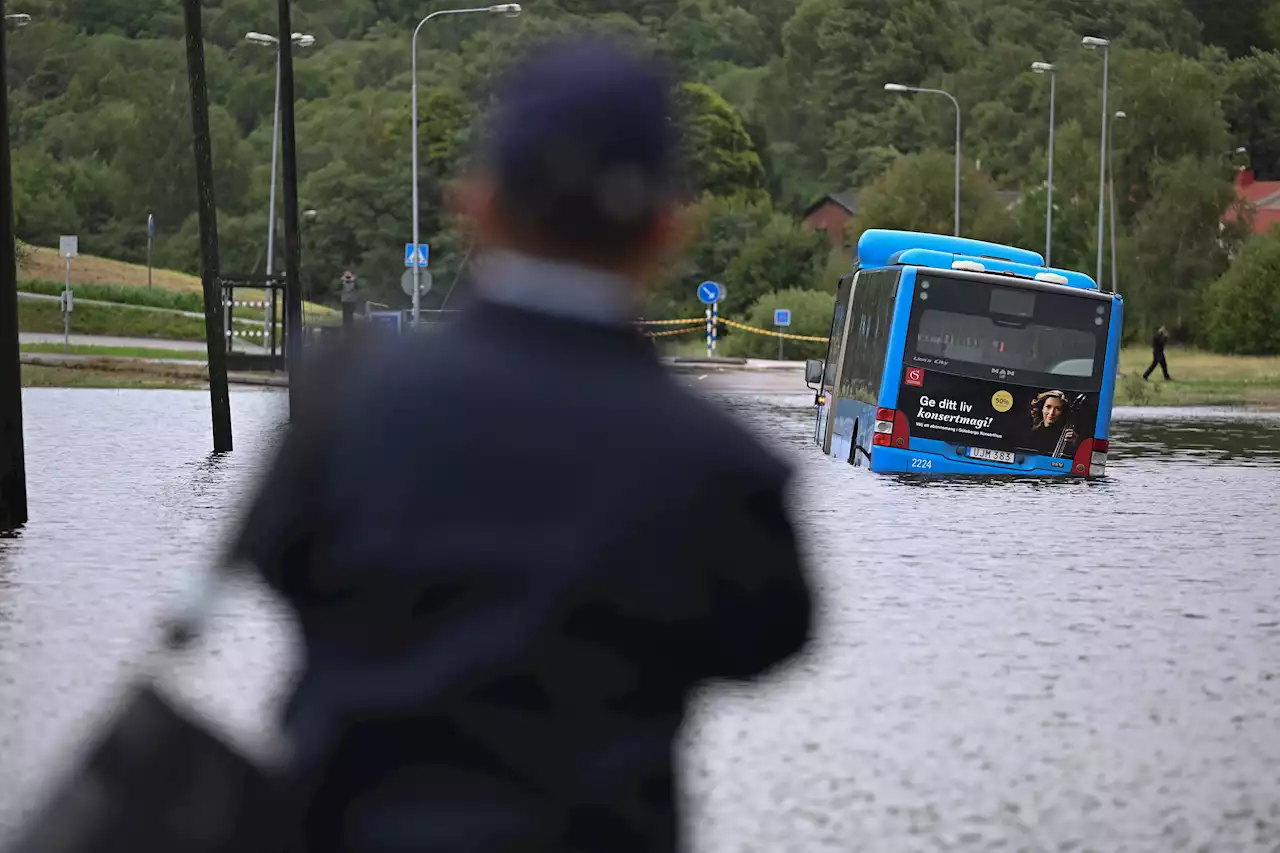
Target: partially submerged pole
(13, 469)
(292, 226)
(215, 342)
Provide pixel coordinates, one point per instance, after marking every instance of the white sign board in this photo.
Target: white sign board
(68, 247)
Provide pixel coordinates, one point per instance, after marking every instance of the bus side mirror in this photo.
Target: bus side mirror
(813, 371)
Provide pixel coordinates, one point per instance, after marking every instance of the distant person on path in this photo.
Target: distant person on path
(1157, 354)
(515, 546)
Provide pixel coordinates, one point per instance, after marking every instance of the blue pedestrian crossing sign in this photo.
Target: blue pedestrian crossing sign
(710, 293)
(423, 255)
(782, 317)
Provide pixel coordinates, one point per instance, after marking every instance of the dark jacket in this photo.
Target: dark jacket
(1157, 344)
(515, 546)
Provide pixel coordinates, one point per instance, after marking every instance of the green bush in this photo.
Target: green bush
(810, 316)
(150, 297)
(1243, 306)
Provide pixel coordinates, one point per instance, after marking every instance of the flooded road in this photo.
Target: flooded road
(1001, 666)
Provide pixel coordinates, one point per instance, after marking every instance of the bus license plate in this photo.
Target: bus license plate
(990, 455)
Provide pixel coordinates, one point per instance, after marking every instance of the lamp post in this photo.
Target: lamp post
(509, 10)
(1111, 167)
(1052, 71)
(13, 466)
(1092, 43)
(898, 87)
(300, 40)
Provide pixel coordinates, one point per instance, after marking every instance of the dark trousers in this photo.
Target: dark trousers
(1157, 360)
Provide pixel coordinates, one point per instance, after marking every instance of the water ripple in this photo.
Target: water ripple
(1011, 665)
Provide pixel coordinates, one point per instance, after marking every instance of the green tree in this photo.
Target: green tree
(721, 157)
(1252, 106)
(917, 193)
(810, 317)
(1181, 244)
(1243, 306)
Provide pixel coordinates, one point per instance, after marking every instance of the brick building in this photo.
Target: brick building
(830, 213)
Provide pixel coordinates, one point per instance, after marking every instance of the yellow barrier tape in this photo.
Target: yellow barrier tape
(676, 332)
(702, 320)
(773, 334)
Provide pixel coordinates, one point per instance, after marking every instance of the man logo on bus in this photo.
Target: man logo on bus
(915, 376)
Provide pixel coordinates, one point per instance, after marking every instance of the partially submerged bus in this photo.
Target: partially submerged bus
(957, 356)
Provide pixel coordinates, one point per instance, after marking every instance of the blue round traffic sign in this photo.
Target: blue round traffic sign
(709, 293)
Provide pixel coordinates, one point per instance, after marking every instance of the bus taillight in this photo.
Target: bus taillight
(1090, 458)
(891, 429)
(1098, 462)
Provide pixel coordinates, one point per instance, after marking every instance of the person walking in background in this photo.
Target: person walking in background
(1157, 353)
(506, 608)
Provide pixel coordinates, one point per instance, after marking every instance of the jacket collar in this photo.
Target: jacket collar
(558, 288)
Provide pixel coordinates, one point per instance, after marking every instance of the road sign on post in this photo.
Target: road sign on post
(422, 256)
(68, 248)
(781, 319)
(709, 293)
(424, 282)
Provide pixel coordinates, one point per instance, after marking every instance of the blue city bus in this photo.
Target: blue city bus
(957, 356)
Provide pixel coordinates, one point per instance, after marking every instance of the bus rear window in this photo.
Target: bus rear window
(971, 327)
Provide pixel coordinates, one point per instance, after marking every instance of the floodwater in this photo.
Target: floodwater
(1021, 666)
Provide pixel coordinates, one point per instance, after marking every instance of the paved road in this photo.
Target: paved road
(139, 343)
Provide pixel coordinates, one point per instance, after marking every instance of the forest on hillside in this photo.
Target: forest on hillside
(784, 101)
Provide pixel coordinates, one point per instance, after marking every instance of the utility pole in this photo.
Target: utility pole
(292, 226)
(215, 342)
(13, 468)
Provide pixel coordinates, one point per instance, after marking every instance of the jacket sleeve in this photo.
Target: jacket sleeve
(276, 534)
(759, 601)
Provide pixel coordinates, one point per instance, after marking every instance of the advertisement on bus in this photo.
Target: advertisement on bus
(998, 416)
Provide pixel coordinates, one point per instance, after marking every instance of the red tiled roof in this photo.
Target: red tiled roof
(1263, 196)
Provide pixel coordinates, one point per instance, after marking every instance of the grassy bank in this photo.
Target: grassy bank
(117, 352)
(39, 315)
(38, 376)
(117, 281)
(1199, 379)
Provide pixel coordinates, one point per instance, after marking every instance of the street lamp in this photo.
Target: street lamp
(898, 87)
(1111, 167)
(1092, 43)
(17, 20)
(508, 10)
(1052, 71)
(299, 40)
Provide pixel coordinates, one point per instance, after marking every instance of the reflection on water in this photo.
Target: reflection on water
(1205, 435)
(1018, 665)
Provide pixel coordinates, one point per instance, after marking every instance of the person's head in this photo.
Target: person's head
(580, 164)
(1049, 408)
(1162, 330)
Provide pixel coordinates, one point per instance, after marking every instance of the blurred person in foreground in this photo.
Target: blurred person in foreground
(515, 545)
